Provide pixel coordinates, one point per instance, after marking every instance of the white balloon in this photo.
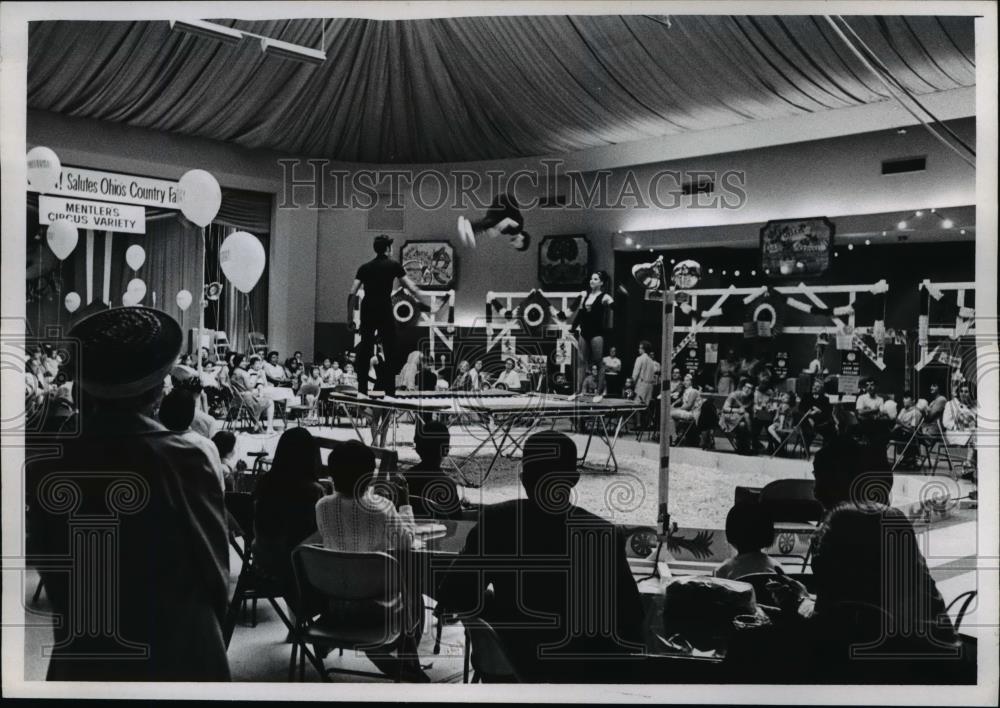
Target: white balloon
(129, 298)
(44, 169)
(137, 288)
(62, 238)
(199, 196)
(135, 256)
(242, 258)
(72, 301)
(184, 299)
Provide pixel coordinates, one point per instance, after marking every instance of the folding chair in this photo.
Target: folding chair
(256, 343)
(793, 508)
(942, 448)
(347, 601)
(913, 441)
(251, 585)
(237, 412)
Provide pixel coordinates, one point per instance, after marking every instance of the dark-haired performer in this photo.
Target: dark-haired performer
(378, 276)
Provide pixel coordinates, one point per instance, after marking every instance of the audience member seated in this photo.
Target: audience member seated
(203, 423)
(426, 379)
(959, 421)
(936, 403)
(628, 389)
(311, 386)
(817, 412)
(873, 424)
(170, 552)
(330, 372)
(765, 405)
(578, 613)
(676, 386)
(750, 531)
(590, 386)
(274, 372)
(874, 592)
(177, 412)
(509, 378)
(727, 373)
(284, 507)
(908, 421)
(481, 378)
(433, 494)
(350, 377)
(466, 379)
(255, 401)
(690, 406)
(785, 420)
(356, 520)
(408, 375)
(225, 444)
(560, 385)
(737, 414)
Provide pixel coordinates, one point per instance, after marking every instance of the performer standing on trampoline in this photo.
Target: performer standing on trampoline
(589, 324)
(378, 276)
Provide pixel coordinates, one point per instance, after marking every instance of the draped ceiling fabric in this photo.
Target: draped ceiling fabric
(477, 88)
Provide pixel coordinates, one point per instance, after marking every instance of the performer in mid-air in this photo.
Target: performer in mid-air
(378, 278)
(503, 217)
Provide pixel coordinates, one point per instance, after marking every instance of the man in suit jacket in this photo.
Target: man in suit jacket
(130, 519)
(564, 602)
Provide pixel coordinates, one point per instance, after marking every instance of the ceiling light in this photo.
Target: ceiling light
(962, 232)
(901, 131)
(850, 247)
(723, 272)
(710, 271)
(868, 242)
(947, 223)
(753, 272)
(628, 240)
(736, 273)
(933, 211)
(836, 254)
(638, 245)
(901, 225)
(919, 213)
(207, 30)
(294, 52)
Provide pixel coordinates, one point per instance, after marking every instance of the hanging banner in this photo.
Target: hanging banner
(92, 215)
(796, 247)
(690, 360)
(850, 364)
(507, 348)
(115, 187)
(781, 365)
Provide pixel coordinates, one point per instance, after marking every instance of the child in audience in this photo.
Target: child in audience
(225, 443)
(628, 390)
(750, 530)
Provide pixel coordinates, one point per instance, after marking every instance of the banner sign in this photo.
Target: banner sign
(115, 187)
(92, 215)
(691, 362)
(781, 365)
(850, 363)
(796, 247)
(711, 352)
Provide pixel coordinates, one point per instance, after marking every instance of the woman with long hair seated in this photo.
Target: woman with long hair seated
(284, 504)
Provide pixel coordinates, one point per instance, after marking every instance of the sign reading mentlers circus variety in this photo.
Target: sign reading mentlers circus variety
(796, 248)
(82, 183)
(102, 216)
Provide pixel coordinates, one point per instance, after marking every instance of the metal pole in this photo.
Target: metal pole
(666, 423)
(202, 303)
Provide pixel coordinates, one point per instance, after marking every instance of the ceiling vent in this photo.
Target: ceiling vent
(903, 165)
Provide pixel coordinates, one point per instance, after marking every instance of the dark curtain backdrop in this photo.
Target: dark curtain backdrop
(174, 253)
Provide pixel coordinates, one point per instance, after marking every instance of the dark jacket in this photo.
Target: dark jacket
(131, 519)
(564, 603)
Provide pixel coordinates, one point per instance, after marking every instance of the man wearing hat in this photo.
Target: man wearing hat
(378, 278)
(131, 520)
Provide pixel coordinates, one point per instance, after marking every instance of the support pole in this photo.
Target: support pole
(202, 303)
(666, 423)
